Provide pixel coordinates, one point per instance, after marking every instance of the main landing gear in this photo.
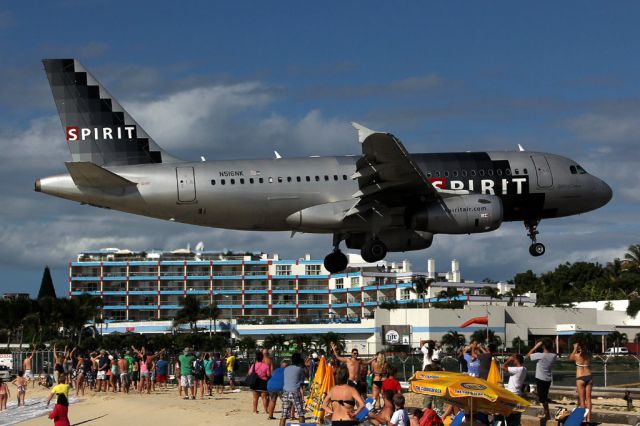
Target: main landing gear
(535, 249)
(373, 251)
(336, 261)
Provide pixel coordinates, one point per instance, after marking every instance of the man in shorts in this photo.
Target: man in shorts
(162, 371)
(292, 390)
(230, 361)
(103, 367)
(186, 372)
(28, 369)
(544, 361)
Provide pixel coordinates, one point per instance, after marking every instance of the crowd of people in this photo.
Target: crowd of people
(196, 374)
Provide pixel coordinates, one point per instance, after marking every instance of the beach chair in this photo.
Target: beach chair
(576, 418)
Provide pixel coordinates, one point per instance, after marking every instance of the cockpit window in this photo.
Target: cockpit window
(573, 170)
(581, 170)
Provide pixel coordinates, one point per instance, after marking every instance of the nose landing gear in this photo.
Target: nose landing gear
(535, 249)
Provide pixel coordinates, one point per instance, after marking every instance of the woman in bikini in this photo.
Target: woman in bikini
(80, 374)
(379, 367)
(21, 384)
(343, 402)
(4, 395)
(584, 382)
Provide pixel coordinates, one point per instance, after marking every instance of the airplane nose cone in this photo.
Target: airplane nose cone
(603, 193)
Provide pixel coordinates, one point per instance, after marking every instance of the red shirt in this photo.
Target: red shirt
(391, 384)
(59, 415)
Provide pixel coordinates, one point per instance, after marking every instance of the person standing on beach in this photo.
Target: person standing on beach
(21, 384)
(274, 387)
(343, 402)
(514, 365)
(162, 371)
(263, 371)
(292, 389)
(354, 365)
(27, 367)
(186, 372)
(103, 367)
(5, 394)
(230, 362)
(485, 357)
(267, 360)
(584, 381)
(123, 370)
(218, 374)
(60, 413)
(198, 374)
(61, 388)
(544, 361)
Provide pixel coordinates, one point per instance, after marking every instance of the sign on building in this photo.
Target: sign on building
(396, 334)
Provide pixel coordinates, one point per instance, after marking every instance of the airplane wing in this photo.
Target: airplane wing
(386, 173)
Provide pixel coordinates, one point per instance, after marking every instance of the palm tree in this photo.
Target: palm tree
(421, 286)
(247, 344)
(190, 312)
(491, 292)
(633, 257)
(302, 342)
(453, 341)
(325, 340)
(276, 342)
(449, 293)
(617, 339)
(213, 312)
(480, 336)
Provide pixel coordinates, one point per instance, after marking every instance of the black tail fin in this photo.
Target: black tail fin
(96, 126)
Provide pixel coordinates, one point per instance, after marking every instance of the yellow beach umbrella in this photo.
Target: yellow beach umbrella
(470, 393)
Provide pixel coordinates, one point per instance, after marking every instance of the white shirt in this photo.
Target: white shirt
(426, 359)
(516, 379)
(400, 418)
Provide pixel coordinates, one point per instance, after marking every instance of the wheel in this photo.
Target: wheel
(536, 249)
(373, 251)
(335, 262)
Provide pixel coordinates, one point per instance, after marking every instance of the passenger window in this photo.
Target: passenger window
(233, 181)
(270, 180)
(507, 172)
(464, 173)
(437, 174)
(490, 172)
(213, 181)
(260, 180)
(525, 172)
(455, 173)
(279, 179)
(481, 172)
(344, 177)
(317, 178)
(308, 179)
(516, 171)
(428, 174)
(251, 181)
(571, 168)
(242, 181)
(298, 179)
(473, 172)
(222, 181)
(288, 178)
(326, 178)
(335, 177)
(446, 173)
(499, 172)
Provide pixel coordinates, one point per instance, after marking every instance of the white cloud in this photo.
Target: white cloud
(606, 128)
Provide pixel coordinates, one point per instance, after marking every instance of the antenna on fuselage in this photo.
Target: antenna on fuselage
(520, 148)
(278, 156)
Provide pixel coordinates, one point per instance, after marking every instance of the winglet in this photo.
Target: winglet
(363, 132)
(520, 148)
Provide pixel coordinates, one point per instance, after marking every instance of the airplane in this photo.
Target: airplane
(384, 200)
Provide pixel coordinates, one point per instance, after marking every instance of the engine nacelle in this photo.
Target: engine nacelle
(395, 240)
(464, 214)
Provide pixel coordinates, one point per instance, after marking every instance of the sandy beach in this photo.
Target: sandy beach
(163, 407)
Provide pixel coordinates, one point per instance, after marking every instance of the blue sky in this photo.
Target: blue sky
(240, 79)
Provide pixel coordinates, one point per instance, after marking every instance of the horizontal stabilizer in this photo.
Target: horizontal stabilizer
(87, 174)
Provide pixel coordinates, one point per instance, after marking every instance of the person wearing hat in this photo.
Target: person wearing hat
(186, 372)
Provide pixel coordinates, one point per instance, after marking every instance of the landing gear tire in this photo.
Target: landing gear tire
(373, 251)
(536, 249)
(335, 262)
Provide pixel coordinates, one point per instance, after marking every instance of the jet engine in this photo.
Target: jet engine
(394, 240)
(462, 214)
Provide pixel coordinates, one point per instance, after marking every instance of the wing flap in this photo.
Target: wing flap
(87, 174)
